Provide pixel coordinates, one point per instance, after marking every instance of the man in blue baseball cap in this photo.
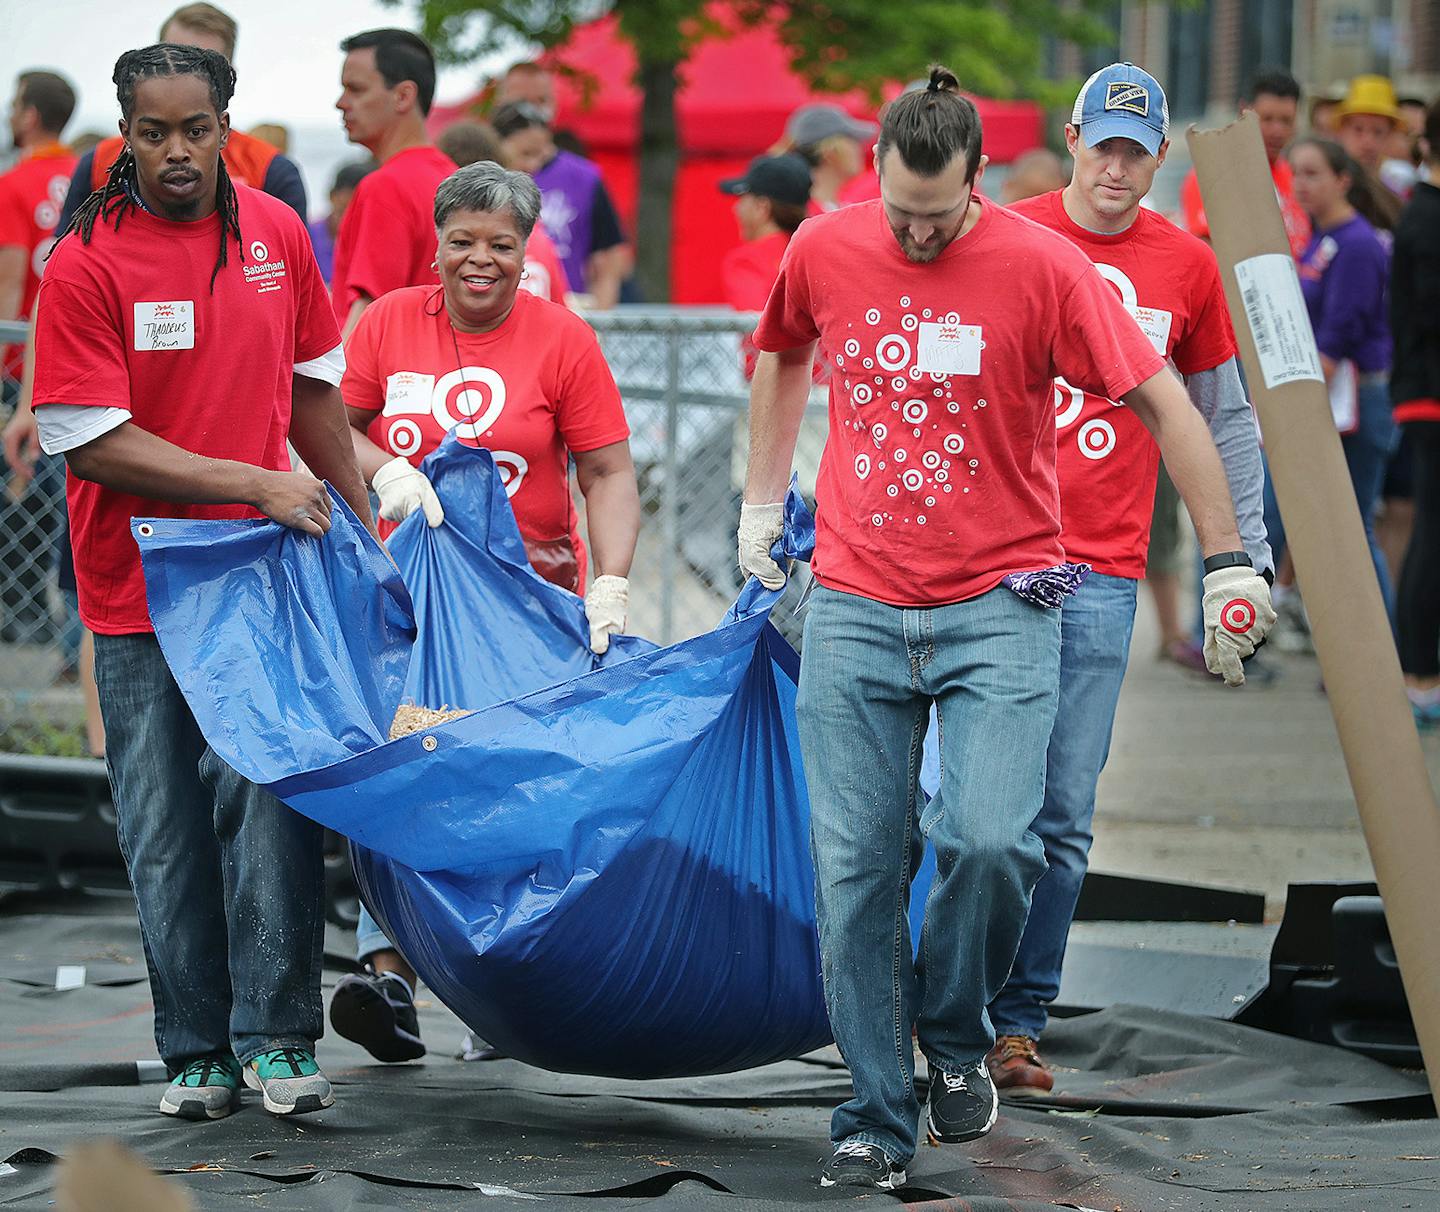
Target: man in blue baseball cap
(1106, 464)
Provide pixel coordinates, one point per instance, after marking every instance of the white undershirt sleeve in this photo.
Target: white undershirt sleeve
(66, 426)
(328, 368)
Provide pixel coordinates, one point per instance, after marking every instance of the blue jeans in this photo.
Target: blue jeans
(229, 883)
(369, 938)
(1095, 628)
(868, 678)
(1367, 453)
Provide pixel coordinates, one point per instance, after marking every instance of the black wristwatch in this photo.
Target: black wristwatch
(1228, 559)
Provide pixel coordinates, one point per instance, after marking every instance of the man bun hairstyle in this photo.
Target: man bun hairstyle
(400, 55)
(117, 197)
(929, 127)
(50, 96)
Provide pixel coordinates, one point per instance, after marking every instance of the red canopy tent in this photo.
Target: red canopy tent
(735, 94)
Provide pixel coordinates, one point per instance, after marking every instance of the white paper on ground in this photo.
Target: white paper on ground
(1279, 323)
(70, 976)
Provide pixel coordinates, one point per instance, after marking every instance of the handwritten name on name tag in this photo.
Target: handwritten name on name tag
(165, 325)
(949, 349)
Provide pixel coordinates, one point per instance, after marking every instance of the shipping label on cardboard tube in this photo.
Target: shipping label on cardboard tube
(1279, 323)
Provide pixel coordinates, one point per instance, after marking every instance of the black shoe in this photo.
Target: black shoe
(962, 1106)
(858, 1163)
(378, 1013)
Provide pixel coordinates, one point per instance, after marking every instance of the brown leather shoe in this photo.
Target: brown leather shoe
(1016, 1068)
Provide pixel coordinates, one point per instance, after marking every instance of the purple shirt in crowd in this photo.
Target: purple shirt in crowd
(576, 212)
(1344, 273)
(324, 244)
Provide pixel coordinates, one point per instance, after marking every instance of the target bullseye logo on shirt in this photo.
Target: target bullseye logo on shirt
(938, 475)
(468, 400)
(909, 410)
(1106, 460)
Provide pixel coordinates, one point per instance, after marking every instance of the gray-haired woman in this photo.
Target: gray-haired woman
(524, 378)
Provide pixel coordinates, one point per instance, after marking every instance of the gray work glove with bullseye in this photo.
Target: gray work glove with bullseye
(1238, 614)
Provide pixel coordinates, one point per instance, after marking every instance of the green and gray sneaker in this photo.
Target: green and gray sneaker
(208, 1088)
(290, 1080)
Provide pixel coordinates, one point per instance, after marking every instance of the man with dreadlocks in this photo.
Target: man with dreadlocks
(183, 334)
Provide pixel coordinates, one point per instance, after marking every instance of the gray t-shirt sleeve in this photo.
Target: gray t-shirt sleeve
(1219, 395)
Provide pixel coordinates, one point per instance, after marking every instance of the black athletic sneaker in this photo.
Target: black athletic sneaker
(378, 1013)
(962, 1106)
(858, 1163)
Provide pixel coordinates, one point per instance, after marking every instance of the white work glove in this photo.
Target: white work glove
(605, 607)
(1238, 615)
(403, 489)
(760, 527)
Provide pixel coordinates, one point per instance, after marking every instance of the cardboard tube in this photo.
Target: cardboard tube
(1332, 559)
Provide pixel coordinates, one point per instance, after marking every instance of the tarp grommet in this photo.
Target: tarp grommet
(145, 529)
(429, 744)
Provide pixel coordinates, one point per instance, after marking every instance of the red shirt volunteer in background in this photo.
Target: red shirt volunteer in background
(126, 330)
(31, 195)
(939, 475)
(530, 391)
(1107, 461)
(387, 237)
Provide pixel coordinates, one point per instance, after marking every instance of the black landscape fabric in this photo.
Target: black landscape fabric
(1157, 1111)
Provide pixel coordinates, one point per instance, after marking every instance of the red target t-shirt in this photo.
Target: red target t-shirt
(530, 391)
(938, 476)
(31, 195)
(130, 321)
(1107, 459)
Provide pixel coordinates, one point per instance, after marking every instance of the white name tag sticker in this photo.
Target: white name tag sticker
(165, 325)
(408, 391)
(949, 349)
(1155, 324)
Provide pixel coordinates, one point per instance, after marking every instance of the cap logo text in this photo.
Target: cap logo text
(1132, 98)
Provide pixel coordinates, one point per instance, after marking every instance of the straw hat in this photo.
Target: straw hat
(1370, 95)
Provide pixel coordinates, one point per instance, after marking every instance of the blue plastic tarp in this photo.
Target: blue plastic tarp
(605, 867)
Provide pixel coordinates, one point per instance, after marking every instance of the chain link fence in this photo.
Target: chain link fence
(41, 710)
(681, 373)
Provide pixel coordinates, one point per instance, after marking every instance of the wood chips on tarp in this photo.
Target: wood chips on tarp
(410, 718)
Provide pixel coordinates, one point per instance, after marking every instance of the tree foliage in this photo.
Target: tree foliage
(996, 49)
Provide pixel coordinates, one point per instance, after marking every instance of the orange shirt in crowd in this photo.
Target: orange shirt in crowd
(1297, 223)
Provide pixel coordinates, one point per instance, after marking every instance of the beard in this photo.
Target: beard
(921, 254)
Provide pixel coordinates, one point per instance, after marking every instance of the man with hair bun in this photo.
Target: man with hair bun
(183, 337)
(940, 572)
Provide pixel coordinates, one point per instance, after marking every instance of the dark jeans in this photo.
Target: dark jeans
(1367, 453)
(229, 883)
(1418, 603)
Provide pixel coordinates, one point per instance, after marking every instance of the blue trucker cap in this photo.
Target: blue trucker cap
(1122, 102)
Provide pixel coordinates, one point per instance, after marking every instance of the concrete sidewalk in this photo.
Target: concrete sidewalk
(1241, 788)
